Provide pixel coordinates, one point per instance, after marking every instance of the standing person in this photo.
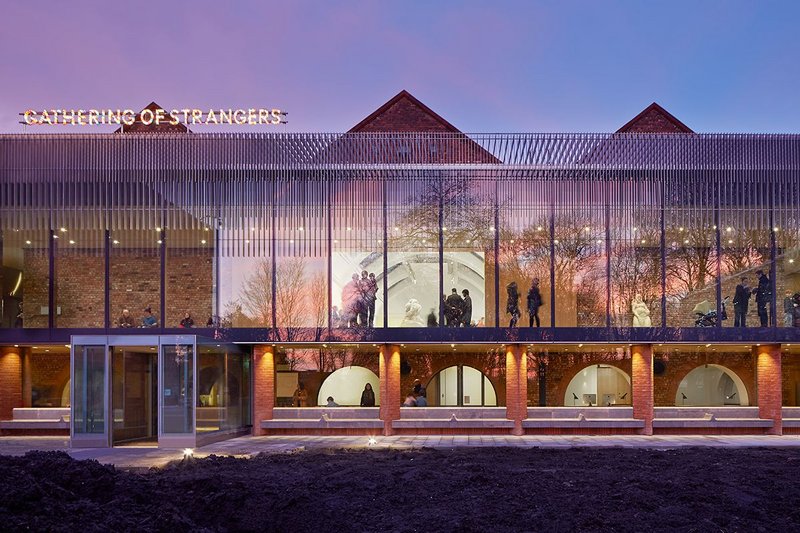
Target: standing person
(187, 321)
(350, 296)
(740, 302)
(300, 396)
(512, 304)
(763, 296)
(148, 320)
(788, 309)
(18, 318)
(336, 318)
(368, 396)
(466, 314)
(454, 309)
(432, 320)
(363, 298)
(534, 302)
(372, 296)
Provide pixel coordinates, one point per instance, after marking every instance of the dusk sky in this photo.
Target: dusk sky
(719, 66)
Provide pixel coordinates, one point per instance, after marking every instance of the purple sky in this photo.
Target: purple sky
(720, 66)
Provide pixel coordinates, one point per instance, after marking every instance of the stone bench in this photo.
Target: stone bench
(709, 417)
(452, 418)
(37, 419)
(581, 418)
(790, 417)
(298, 418)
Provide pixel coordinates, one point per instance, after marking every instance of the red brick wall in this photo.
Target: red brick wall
(516, 386)
(263, 385)
(10, 381)
(389, 362)
(562, 367)
(404, 116)
(135, 284)
(49, 375)
(678, 364)
(768, 360)
(424, 366)
(642, 385)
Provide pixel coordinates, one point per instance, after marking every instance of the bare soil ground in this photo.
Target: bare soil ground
(467, 489)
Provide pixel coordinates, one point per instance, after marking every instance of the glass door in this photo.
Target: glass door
(89, 365)
(177, 392)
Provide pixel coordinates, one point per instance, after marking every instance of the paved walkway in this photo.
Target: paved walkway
(133, 457)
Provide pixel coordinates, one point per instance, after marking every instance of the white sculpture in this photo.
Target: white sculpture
(412, 318)
(641, 313)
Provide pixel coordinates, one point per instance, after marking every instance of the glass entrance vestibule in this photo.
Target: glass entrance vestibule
(173, 391)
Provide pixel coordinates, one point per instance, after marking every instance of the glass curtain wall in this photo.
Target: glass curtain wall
(223, 389)
(80, 278)
(525, 243)
(135, 278)
(189, 277)
(25, 278)
(301, 233)
(690, 232)
(357, 251)
(635, 230)
(579, 243)
(414, 292)
(468, 233)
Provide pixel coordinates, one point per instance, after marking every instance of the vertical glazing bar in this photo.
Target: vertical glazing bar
(106, 278)
(327, 184)
(496, 258)
(663, 248)
(440, 187)
(273, 253)
(385, 255)
(607, 224)
(552, 260)
(162, 251)
(51, 285)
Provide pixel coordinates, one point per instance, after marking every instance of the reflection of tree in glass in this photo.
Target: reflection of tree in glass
(301, 300)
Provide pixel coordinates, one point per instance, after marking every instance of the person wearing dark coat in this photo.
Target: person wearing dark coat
(740, 303)
(368, 396)
(512, 305)
(534, 302)
(432, 320)
(454, 309)
(466, 309)
(763, 297)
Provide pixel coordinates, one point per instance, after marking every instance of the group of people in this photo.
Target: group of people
(418, 396)
(300, 397)
(457, 309)
(741, 300)
(534, 302)
(149, 320)
(358, 302)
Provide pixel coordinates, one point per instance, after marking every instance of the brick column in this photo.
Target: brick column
(516, 386)
(769, 383)
(389, 364)
(10, 381)
(26, 378)
(263, 385)
(642, 385)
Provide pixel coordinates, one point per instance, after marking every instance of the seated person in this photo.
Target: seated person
(126, 320)
(331, 403)
(411, 401)
(148, 320)
(187, 321)
(421, 398)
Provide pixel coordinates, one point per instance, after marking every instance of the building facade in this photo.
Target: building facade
(175, 288)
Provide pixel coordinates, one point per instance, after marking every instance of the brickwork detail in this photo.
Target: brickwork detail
(263, 385)
(10, 381)
(768, 361)
(516, 386)
(389, 375)
(642, 385)
(425, 366)
(678, 365)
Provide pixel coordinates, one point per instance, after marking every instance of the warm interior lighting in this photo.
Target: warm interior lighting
(203, 241)
(115, 241)
(27, 242)
(63, 230)
(71, 241)
(158, 229)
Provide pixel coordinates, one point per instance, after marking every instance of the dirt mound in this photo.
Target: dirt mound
(468, 489)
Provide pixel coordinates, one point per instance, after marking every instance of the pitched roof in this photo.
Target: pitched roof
(404, 113)
(164, 127)
(654, 119)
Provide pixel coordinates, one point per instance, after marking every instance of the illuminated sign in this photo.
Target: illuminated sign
(127, 117)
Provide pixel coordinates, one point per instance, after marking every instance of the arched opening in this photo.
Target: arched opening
(602, 385)
(346, 385)
(65, 394)
(461, 385)
(711, 385)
